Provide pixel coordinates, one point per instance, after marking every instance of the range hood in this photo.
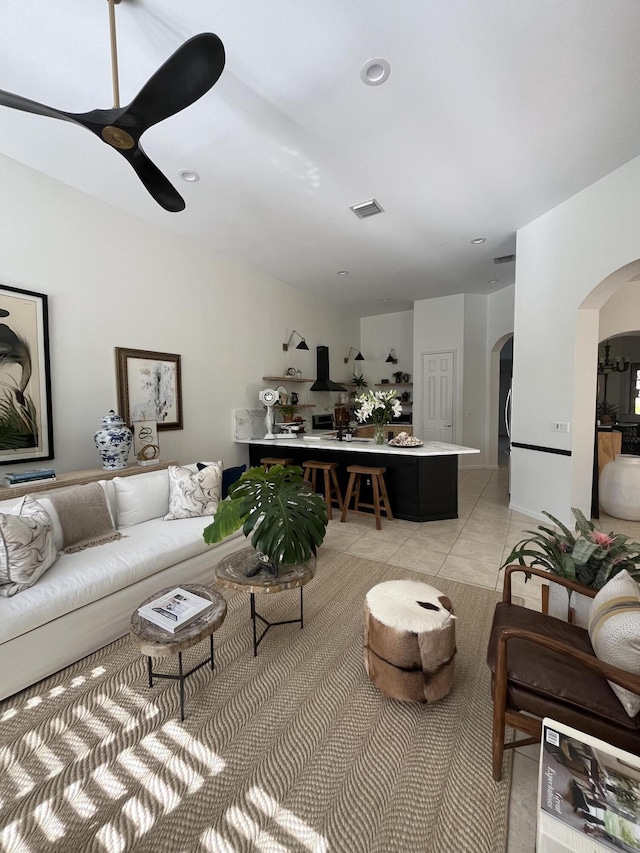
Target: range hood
(323, 383)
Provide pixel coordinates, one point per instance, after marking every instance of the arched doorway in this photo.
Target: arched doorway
(500, 373)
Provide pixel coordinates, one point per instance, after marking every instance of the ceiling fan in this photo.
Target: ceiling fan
(186, 76)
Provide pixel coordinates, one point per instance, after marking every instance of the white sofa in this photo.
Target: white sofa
(85, 600)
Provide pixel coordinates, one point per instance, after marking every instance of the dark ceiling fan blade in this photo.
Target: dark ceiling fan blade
(156, 183)
(186, 76)
(17, 102)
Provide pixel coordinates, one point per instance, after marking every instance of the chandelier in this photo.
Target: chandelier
(611, 365)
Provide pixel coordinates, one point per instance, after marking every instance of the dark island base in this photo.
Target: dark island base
(420, 488)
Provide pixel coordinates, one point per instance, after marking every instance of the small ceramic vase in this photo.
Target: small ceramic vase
(113, 441)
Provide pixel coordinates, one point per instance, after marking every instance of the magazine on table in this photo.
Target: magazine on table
(589, 794)
(175, 609)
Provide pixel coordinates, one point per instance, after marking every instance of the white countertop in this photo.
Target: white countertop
(361, 445)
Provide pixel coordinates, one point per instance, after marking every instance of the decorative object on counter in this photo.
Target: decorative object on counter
(606, 411)
(591, 557)
(398, 376)
(301, 345)
(358, 357)
(269, 398)
(384, 381)
(391, 358)
(403, 439)
(113, 441)
(284, 519)
(378, 407)
(294, 398)
(619, 487)
(145, 442)
(406, 377)
(26, 426)
(405, 396)
(290, 371)
(149, 387)
(288, 412)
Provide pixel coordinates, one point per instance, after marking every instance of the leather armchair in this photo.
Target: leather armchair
(544, 667)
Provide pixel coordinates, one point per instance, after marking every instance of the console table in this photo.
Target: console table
(78, 478)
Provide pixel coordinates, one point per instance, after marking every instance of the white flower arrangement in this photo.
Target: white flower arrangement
(378, 406)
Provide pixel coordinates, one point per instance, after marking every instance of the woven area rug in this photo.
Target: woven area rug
(294, 751)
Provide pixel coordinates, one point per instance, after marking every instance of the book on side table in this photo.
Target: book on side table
(175, 609)
(24, 478)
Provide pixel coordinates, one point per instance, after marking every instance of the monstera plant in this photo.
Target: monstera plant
(279, 513)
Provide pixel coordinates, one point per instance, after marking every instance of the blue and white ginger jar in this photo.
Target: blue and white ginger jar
(113, 441)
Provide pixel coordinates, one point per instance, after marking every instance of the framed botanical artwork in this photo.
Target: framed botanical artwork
(26, 426)
(149, 387)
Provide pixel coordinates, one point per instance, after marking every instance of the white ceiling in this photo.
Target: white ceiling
(495, 111)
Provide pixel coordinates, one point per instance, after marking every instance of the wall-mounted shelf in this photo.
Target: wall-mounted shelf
(285, 379)
(393, 384)
(297, 405)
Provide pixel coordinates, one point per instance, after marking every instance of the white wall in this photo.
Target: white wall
(569, 262)
(474, 381)
(438, 325)
(378, 335)
(113, 280)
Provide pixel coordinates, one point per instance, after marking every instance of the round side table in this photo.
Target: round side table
(231, 573)
(156, 642)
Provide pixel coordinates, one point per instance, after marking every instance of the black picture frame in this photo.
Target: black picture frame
(149, 387)
(26, 424)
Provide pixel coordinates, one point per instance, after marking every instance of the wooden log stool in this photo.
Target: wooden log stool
(332, 491)
(380, 497)
(409, 641)
(268, 461)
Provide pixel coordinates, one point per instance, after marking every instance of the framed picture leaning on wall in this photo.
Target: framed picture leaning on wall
(26, 426)
(149, 387)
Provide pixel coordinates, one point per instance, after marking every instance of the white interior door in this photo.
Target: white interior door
(437, 396)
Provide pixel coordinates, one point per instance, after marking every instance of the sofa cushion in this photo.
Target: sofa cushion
(194, 494)
(28, 547)
(614, 630)
(229, 476)
(141, 497)
(84, 516)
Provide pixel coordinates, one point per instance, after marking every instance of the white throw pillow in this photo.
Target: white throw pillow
(141, 497)
(194, 494)
(28, 548)
(614, 631)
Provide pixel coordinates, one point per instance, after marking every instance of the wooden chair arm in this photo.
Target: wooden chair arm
(547, 576)
(629, 680)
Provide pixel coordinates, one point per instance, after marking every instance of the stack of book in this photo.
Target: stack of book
(24, 478)
(175, 609)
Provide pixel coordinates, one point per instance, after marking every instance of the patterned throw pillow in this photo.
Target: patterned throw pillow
(614, 631)
(28, 549)
(192, 495)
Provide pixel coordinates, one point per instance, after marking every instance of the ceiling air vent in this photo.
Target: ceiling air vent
(366, 208)
(505, 259)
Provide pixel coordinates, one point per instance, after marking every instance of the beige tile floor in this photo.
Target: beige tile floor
(469, 549)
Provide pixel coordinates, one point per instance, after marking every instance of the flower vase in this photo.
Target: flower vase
(379, 433)
(113, 441)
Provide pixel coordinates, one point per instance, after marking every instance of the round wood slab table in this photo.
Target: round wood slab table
(156, 642)
(231, 573)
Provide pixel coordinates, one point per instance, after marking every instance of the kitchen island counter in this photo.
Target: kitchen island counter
(422, 482)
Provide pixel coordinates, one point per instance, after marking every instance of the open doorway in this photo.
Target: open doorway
(504, 403)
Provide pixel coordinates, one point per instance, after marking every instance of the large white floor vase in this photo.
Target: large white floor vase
(619, 486)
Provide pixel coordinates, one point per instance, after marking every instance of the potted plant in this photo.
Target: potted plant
(378, 407)
(288, 412)
(278, 511)
(590, 557)
(606, 411)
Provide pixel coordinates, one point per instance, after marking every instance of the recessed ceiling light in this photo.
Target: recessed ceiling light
(375, 71)
(492, 281)
(343, 272)
(384, 300)
(188, 175)
(477, 240)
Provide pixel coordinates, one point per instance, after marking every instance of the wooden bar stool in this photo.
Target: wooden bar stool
(380, 497)
(331, 486)
(268, 461)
